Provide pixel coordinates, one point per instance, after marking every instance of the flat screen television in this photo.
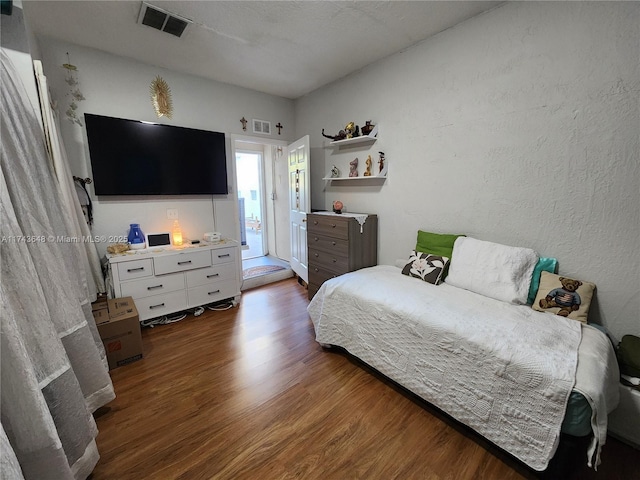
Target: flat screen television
(130, 157)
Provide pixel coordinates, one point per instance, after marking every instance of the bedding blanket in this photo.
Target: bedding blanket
(504, 370)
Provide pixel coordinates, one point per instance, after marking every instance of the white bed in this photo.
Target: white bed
(504, 370)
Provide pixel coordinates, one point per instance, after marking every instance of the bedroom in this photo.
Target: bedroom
(520, 124)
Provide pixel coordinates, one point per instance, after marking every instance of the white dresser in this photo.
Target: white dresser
(173, 279)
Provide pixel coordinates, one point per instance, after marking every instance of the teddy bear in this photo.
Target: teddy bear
(565, 298)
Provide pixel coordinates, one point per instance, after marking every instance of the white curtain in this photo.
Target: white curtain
(54, 372)
(94, 280)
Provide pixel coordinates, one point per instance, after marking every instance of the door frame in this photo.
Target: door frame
(233, 139)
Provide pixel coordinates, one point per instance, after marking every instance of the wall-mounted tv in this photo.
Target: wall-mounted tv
(130, 157)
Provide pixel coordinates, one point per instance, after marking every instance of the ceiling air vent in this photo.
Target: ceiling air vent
(160, 19)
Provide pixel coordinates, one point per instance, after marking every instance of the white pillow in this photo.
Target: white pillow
(493, 270)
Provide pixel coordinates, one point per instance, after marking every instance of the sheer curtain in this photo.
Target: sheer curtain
(77, 223)
(54, 372)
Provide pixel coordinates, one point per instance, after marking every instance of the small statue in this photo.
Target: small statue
(367, 172)
(341, 135)
(337, 207)
(381, 162)
(350, 130)
(353, 167)
(335, 173)
(366, 130)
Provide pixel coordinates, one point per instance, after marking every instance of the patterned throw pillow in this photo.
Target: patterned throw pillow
(425, 266)
(564, 296)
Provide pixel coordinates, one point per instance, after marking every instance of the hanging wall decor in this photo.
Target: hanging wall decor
(161, 97)
(71, 78)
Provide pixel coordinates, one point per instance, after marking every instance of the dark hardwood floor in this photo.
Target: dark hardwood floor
(248, 394)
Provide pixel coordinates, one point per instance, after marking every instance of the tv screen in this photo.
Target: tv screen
(130, 157)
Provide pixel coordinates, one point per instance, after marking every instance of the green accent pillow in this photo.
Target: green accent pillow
(440, 244)
(436, 243)
(544, 264)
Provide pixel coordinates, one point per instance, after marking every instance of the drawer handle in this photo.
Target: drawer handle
(315, 222)
(186, 262)
(315, 239)
(225, 255)
(139, 269)
(316, 270)
(155, 286)
(334, 260)
(316, 255)
(213, 293)
(156, 306)
(333, 243)
(213, 275)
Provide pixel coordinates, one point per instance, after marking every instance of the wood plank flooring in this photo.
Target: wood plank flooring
(248, 394)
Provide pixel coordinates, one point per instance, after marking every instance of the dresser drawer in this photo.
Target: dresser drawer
(223, 255)
(135, 269)
(328, 244)
(211, 293)
(318, 275)
(181, 262)
(328, 225)
(335, 263)
(215, 273)
(158, 305)
(146, 287)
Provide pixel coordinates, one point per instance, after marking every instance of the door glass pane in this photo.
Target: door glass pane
(250, 195)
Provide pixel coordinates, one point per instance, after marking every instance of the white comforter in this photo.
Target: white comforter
(504, 370)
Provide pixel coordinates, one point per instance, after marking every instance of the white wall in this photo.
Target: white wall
(119, 87)
(519, 126)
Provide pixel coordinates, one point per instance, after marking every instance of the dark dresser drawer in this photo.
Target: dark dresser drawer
(333, 226)
(318, 275)
(333, 245)
(330, 261)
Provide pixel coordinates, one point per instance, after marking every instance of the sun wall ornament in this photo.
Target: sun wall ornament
(161, 97)
(71, 79)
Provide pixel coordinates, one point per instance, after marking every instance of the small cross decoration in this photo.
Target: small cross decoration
(243, 121)
(279, 127)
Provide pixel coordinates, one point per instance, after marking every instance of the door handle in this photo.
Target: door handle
(304, 220)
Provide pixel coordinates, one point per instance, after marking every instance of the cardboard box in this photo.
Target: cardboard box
(101, 302)
(119, 328)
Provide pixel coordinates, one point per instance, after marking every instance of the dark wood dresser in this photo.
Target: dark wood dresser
(339, 244)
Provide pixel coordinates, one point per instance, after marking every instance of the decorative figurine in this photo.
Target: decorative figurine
(353, 167)
(366, 130)
(340, 136)
(337, 207)
(335, 173)
(381, 162)
(367, 172)
(352, 130)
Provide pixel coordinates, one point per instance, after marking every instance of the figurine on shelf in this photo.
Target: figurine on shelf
(353, 167)
(381, 162)
(340, 136)
(337, 207)
(367, 172)
(335, 173)
(366, 130)
(352, 130)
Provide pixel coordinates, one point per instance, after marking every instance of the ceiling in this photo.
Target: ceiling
(284, 48)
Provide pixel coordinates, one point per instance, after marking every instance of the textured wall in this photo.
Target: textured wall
(519, 126)
(119, 87)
